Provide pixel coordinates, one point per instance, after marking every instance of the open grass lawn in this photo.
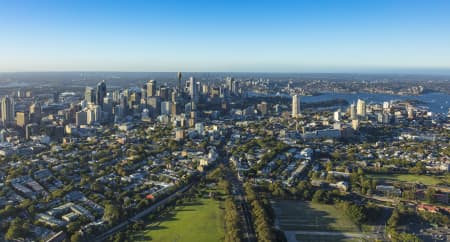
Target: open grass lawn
(299, 215)
(197, 221)
(424, 179)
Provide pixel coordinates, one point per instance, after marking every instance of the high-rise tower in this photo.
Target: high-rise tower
(296, 106)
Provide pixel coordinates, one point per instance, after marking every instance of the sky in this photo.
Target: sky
(225, 35)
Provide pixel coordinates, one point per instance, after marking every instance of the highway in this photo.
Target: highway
(141, 214)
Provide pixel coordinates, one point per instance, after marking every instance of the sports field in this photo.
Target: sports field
(200, 220)
(412, 178)
(306, 221)
(298, 215)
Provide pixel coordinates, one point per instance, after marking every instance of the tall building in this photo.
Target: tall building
(166, 107)
(35, 112)
(296, 106)
(154, 105)
(81, 118)
(352, 111)
(179, 82)
(100, 92)
(151, 88)
(361, 108)
(89, 95)
(31, 130)
(8, 114)
(21, 119)
(193, 91)
(337, 115)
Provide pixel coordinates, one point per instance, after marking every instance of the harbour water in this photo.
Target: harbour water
(435, 102)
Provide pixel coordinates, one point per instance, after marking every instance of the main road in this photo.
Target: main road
(141, 214)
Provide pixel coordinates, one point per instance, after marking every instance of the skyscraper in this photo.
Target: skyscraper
(296, 106)
(179, 82)
(21, 119)
(89, 95)
(8, 117)
(100, 92)
(151, 88)
(361, 108)
(352, 111)
(193, 91)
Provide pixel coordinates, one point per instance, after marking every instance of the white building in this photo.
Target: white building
(296, 106)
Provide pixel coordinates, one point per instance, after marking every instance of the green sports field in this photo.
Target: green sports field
(200, 220)
(298, 215)
(412, 178)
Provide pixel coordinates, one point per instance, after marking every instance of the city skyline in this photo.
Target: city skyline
(202, 36)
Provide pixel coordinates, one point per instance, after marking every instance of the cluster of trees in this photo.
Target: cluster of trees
(232, 218)
(393, 223)
(362, 183)
(233, 233)
(303, 190)
(17, 229)
(261, 219)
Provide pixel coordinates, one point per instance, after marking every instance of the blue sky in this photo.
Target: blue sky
(279, 36)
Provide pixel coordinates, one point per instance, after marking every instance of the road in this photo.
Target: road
(141, 214)
(243, 207)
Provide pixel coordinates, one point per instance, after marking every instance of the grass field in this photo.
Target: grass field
(298, 215)
(424, 179)
(200, 220)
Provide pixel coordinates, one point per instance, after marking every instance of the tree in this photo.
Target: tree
(318, 196)
(111, 214)
(15, 230)
(77, 237)
(429, 195)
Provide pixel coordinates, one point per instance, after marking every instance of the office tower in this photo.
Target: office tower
(205, 89)
(151, 88)
(107, 107)
(166, 107)
(163, 92)
(361, 108)
(175, 109)
(31, 130)
(144, 92)
(179, 82)
(100, 92)
(35, 113)
(296, 106)
(90, 116)
(98, 113)
(193, 91)
(229, 83)
(8, 118)
(337, 115)
(89, 95)
(81, 118)
(174, 96)
(154, 105)
(21, 119)
(352, 111)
